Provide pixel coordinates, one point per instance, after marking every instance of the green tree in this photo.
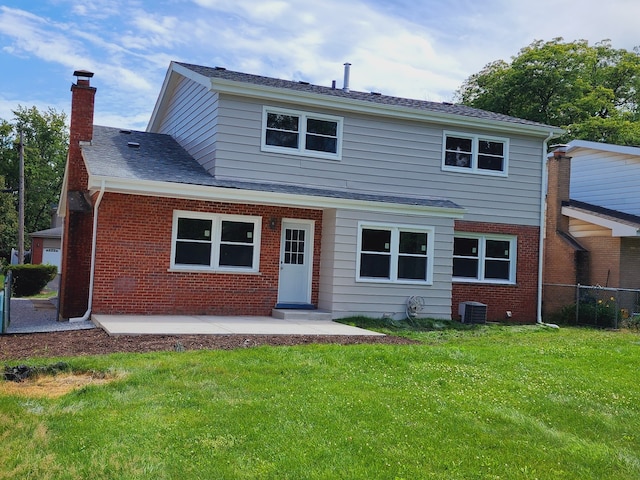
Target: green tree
(591, 91)
(8, 221)
(46, 140)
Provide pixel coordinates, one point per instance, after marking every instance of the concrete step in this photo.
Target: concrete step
(293, 314)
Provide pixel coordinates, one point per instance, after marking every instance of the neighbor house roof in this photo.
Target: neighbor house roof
(48, 233)
(620, 224)
(228, 81)
(575, 145)
(140, 162)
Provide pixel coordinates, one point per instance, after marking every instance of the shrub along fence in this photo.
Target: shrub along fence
(591, 305)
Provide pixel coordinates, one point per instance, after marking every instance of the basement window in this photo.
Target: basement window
(202, 241)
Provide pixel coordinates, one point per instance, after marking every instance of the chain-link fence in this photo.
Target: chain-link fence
(591, 305)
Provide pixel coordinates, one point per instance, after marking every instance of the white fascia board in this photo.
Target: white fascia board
(574, 145)
(234, 195)
(618, 229)
(360, 106)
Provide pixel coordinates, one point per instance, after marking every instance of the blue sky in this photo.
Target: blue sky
(420, 49)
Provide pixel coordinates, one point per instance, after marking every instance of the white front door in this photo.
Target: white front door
(296, 250)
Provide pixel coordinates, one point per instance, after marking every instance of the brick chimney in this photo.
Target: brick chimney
(559, 176)
(78, 220)
(81, 127)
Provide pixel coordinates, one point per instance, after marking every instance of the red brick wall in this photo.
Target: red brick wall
(521, 298)
(604, 268)
(133, 258)
(630, 263)
(76, 243)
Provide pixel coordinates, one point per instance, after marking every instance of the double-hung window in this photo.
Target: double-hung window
(395, 253)
(484, 258)
(301, 133)
(475, 154)
(203, 241)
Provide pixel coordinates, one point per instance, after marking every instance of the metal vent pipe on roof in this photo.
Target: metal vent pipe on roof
(347, 71)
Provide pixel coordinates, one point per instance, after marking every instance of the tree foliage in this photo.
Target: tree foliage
(591, 91)
(46, 140)
(8, 222)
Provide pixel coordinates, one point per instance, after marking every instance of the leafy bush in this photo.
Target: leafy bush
(31, 279)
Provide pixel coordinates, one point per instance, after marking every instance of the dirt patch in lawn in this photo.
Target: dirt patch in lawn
(53, 386)
(97, 342)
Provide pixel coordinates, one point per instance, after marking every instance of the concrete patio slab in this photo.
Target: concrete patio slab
(214, 325)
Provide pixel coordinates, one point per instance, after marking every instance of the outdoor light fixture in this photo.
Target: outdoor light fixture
(273, 222)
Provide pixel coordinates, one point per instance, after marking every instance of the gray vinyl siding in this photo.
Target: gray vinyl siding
(191, 118)
(341, 294)
(606, 179)
(383, 156)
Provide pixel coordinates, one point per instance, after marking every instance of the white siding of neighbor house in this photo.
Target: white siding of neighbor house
(341, 294)
(606, 179)
(383, 156)
(191, 118)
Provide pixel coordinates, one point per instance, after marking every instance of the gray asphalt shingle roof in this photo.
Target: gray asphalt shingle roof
(444, 107)
(144, 156)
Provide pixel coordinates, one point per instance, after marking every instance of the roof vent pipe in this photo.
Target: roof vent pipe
(347, 71)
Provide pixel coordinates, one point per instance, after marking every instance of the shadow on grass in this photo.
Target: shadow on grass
(389, 325)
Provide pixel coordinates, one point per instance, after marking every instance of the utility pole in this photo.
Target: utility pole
(21, 205)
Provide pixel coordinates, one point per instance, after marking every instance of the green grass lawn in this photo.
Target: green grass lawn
(490, 402)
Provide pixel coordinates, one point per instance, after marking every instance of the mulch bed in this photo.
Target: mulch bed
(97, 342)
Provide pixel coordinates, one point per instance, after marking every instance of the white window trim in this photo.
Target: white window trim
(302, 133)
(474, 154)
(395, 239)
(216, 231)
(513, 250)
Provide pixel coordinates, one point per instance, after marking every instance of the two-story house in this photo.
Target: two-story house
(248, 193)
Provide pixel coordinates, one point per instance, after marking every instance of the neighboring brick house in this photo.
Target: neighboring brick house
(593, 219)
(248, 192)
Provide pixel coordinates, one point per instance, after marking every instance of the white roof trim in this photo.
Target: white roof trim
(604, 147)
(618, 227)
(359, 106)
(234, 195)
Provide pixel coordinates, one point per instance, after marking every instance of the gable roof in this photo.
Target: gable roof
(145, 163)
(575, 145)
(228, 81)
(621, 224)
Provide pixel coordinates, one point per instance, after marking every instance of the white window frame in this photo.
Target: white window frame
(394, 252)
(216, 241)
(302, 132)
(475, 139)
(482, 241)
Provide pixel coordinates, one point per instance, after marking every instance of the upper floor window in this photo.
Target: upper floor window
(474, 153)
(395, 253)
(203, 241)
(301, 133)
(484, 258)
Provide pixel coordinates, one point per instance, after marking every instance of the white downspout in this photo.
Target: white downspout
(94, 240)
(543, 224)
